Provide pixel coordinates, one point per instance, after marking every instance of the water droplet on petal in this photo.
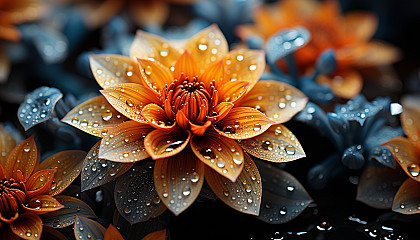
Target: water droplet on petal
(290, 149)
(127, 210)
(207, 153)
(186, 191)
(283, 211)
(106, 115)
(413, 169)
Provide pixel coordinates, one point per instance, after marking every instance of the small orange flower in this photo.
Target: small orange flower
(349, 35)
(191, 107)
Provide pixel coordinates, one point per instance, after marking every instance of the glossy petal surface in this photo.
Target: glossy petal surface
(7, 143)
(406, 155)
(410, 121)
(112, 233)
(42, 204)
(161, 144)
(39, 183)
(24, 157)
(407, 199)
(27, 226)
(156, 116)
(154, 74)
(86, 229)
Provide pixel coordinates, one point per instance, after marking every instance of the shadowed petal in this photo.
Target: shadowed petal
(154, 74)
(163, 144)
(95, 116)
(49, 233)
(42, 204)
(199, 129)
(277, 144)
(406, 155)
(407, 199)
(112, 233)
(98, 13)
(243, 123)
(67, 166)
(97, 172)
(130, 98)
(222, 154)
(220, 111)
(149, 12)
(39, 183)
(86, 229)
(125, 142)
(244, 194)
(158, 235)
(178, 180)
(378, 53)
(277, 100)
(7, 143)
(27, 226)
(233, 91)
(24, 157)
(214, 72)
(346, 84)
(150, 46)
(410, 121)
(186, 66)
(156, 117)
(110, 70)
(360, 25)
(207, 46)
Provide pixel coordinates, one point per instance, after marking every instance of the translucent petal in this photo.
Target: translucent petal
(42, 204)
(378, 53)
(86, 229)
(360, 25)
(220, 111)
(27, 226)
(407, 199)
(186, 66)
(156, 117)
(410, 121)
(154, 74)
(216, 72)
(24, 157)
(7, 143)
(233, 91)
(162, 144)
(345, 83)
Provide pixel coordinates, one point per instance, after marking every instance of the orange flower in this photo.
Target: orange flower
(188, 108)
(27, 188)
(347, 34)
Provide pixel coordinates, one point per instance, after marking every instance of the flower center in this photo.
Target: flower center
(12, 195)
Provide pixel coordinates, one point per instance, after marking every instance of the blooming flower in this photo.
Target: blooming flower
(188, 108)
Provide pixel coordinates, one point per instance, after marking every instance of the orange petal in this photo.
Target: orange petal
(243, 123)
(130, 98)
(156, 117)
(243, 195)
(149, 12)
(154, 74)
(207, 46)
(42, 204)
(277, 144)
(222, 154)
(244, 65)
(214, 72)
(112, 233)
(378, 53)
(150, 46)
(406, 155)
(49, 233)
(158, 235)
(233, 91)
(4, 64)
(186, 66)
(110, 70)
(24, 157)
(84, 228)
(220, 111)
(163, 144)
(345, 83)
(7, 143)
(277, 100)
(182, 120)
(94, 116)
(407, 198)
(178, 180)
(199, 129)
(360, 25)
(125, 142)
(410, 121)
(98, 14)
(27, 226)
(39, 183)
(10, 33)
(67, 166)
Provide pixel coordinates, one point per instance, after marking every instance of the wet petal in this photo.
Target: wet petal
(49, 233)
(410, 121)
(42, 204)
(345, 84)
(39, 183)
(186, 66)
(378, 185)
(214, 72)
(222, 154)
(378, 53)
(130, 98)
(7, 143)
(158, 235)
(27, 226)
(67, 215)
(94, 116)
(406, 155)
(220, 111)
(407, 199)
(138, 202)
(233, 91)
(243, 123)
(150, 46)
(178, 180)
(277, 144)
(199, 129)
(156, 117)
(86, 229)
(207, 46)
(244, 194)
(112, 233)
(277, 100)
(67, 166)
(360, 25)
(97, 172)
(154, 74)
(110, 70)
(162, 144)
(24, 157)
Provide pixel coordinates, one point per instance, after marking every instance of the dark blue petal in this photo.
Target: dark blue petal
(320, 174)
(338, 123)
(353, 157)
(326, 62)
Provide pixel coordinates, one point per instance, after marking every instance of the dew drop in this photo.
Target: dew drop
(148, 70)
(194, 178)
(84, 123)
(202, 47)
(129, 103)
(290, 149)
(226, 193)
(106, 115)
(283, 211)
(186, 191)
(257, 127)
(290, 188)
(28, 233)
(252, 67)
(221, 164)
(164, 52)
(75, 120)
(229, 130)
(127, 210)
(94, 168)
(26, 149)
(266, 145)
(413, 169)
(174, 145)
(207, 153)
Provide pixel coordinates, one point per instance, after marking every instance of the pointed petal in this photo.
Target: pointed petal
(233, 91)
(86, 229)
(178, 180)
(360, 25)
(150, 46)
(243, 123)
(157, 235)
(67, 215)
(182, 120)
(39, 183)
(207, 46)
(186, 66)
(214, 72)
(148, 204)
(7, 143)
(244, 194)
(97, 172)
(199, 129)
(110, 70)
(346, 84)
(112, 233)
(406, 155)
(162, 144)
(125, 142)
(220, 111)
(156, 117)
(407, 199)
(277, 144)
(277, 100)
(67, 166)
(154, 74)
(147, 13)
(378, 185)
(222, 154)
(130, 98)
(410, 121)
(42, 204)
(378, 53)
(24, 157)
(94, 116)
(27, 226)
(244, 65)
